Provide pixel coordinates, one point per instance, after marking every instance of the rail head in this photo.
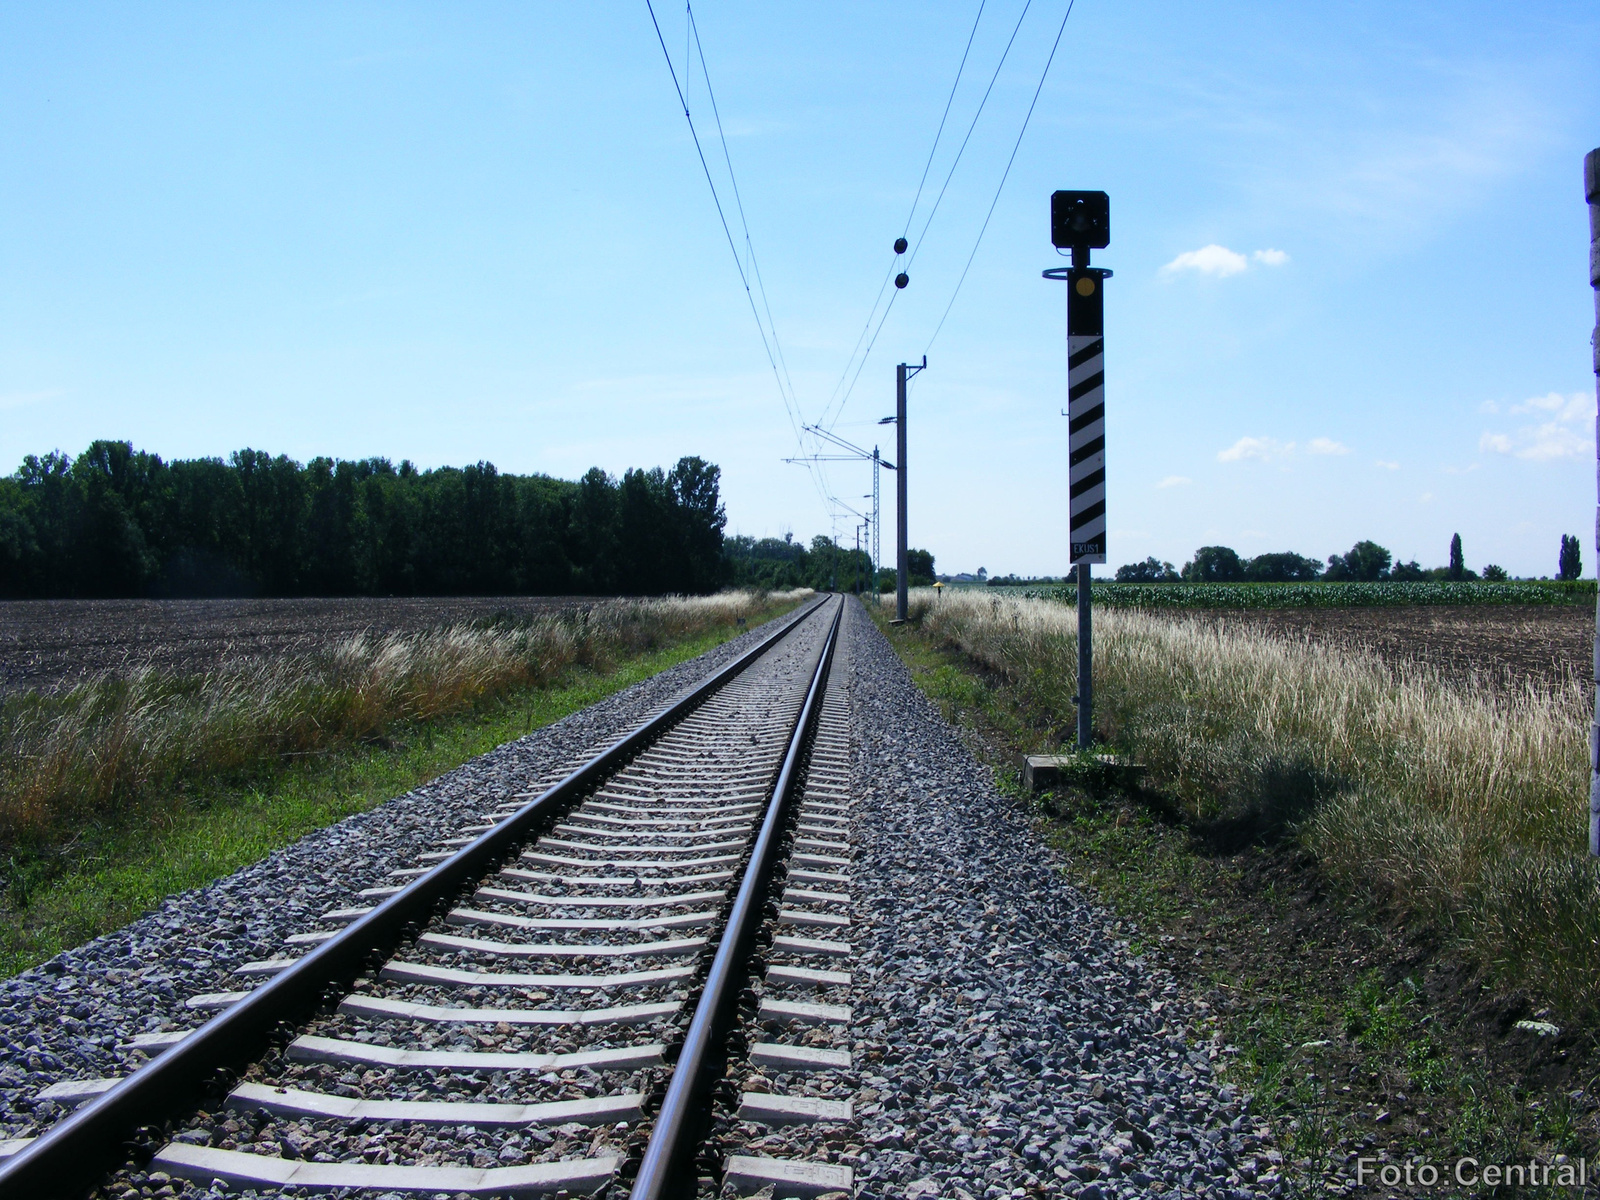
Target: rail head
(667, 1168)
(72, 1157)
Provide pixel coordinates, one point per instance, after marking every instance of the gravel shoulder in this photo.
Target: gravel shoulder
(1012, 1045)
(69, 1017)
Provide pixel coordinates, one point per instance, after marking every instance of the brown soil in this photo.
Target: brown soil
(1547, 644)
(49, 644)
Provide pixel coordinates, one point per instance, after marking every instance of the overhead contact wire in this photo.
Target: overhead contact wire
(749, 242)
(865, 329)
(916, 248)
(790, 404)
(945, 116)
(949, 175)
(721, 216)
(1043, 75)
(818, 476)
(910, 216)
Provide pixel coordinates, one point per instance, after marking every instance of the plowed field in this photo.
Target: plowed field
(1543, 643)
(48, 644)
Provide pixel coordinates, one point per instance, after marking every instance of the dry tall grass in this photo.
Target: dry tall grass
(1464, 803)
(115, 744)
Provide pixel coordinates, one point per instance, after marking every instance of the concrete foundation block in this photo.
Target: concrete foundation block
(1040, 771)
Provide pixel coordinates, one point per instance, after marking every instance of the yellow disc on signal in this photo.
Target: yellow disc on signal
(1085, 286)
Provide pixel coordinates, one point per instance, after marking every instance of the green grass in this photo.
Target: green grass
(1322, 595)
(1463, 801)
(223, 828)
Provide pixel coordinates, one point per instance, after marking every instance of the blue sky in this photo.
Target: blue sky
(1350, 249)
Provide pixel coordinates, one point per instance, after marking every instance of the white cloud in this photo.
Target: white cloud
(1553, 440)
(1264, 449)
(1489, 406)
(1567, 430)
(1222, 262)
(1209, 260)
(1322, 445)
(1575, 407)
(1386, 465)
(1425, 498)
(1174, 481)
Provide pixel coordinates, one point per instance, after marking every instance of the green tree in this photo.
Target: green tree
(645, 532)
(19, 548)
(700, 518)
(202, 543)
(541, 521)
(1213, 564)
(1458, 564)
(1365, 562)
(120, 522)
(769, 562)
(1285, 567)
(47, 504)
(919, 568)
(1570, 563)
(111, 504)
(274, 520)
(1149, 571)
(594, 545)
(331, 526)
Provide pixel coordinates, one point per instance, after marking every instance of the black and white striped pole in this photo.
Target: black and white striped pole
(1080, 222)
(1591, 193)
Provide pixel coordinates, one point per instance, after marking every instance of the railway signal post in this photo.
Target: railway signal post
(901, 373)
(1591, 191)
(1081, 222)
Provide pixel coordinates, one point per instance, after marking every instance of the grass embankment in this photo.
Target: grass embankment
(1319, 595)
(123, 791)
(1465, 804)
(1371, 870)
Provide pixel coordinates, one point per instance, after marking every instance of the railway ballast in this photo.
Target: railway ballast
(910, 1000)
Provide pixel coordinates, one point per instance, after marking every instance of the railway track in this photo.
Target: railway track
(601, 987)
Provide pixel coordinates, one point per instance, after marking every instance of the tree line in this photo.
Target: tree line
(785, 563)
(116, 522)
(1365, 562)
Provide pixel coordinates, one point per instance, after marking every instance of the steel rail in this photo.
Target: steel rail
(74, 1155)
(667, 1168)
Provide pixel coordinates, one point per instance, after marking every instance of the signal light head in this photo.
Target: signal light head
(901, 279)
(900, 245)
(1080, 219)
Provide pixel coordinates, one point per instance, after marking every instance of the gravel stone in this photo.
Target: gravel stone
(69, 1018)
(1005, 1042)
(1008, 1042)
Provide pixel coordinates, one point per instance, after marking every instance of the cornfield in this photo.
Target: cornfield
(1322, 595)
